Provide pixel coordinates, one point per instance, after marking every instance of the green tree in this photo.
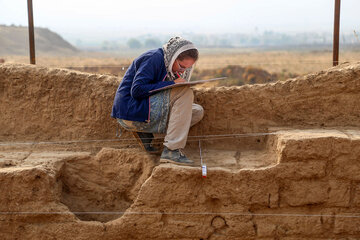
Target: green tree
(133, 43)
(152, 43)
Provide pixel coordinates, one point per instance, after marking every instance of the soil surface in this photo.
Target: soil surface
(283, 161)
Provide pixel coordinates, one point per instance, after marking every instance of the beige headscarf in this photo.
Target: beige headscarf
(172, 49)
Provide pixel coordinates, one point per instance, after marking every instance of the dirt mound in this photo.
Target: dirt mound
(299, 179)
(14, 41)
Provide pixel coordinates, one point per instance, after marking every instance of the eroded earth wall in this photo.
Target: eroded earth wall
(312, 192)
(42, 103)
(39, 103)
(309, 189)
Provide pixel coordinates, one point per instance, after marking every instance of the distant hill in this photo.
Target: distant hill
(15, 41)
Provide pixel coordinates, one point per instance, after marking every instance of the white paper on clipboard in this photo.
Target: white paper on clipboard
(187, 83)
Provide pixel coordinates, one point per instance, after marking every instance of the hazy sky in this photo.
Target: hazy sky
(98, 19)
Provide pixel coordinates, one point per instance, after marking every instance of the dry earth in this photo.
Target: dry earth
(281, 61)
(15, 41)
(64, 174)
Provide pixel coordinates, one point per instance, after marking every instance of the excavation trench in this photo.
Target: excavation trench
(102, 187)
(316, 170)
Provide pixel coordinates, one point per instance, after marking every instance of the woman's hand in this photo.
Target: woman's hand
(179, 80)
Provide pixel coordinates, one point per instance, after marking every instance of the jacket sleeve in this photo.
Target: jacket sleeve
(145, 78)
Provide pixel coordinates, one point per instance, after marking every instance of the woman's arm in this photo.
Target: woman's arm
(144, 78)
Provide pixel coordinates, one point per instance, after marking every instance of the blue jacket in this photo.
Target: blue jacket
(132, 98)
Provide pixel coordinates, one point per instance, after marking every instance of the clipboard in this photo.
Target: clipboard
(187, 83)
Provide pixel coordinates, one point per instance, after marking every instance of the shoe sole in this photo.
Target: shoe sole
(164, 160)
(138, 139)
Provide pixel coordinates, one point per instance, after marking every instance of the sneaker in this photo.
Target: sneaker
(145, 139)
(174, 156)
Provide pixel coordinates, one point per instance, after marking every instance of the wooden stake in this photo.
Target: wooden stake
(336, 33)
(31, 32)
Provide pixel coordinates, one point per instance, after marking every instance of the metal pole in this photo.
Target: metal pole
(31, 32)
(336, 33)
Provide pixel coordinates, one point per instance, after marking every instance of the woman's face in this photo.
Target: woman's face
(181, 65)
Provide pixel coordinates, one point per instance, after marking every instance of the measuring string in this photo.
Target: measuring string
(343, 215)
(125, 142)
(190, 139)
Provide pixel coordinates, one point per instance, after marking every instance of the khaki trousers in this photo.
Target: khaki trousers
(183, 114)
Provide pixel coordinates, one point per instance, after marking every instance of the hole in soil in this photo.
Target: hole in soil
(234, 152)
(102, 187)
